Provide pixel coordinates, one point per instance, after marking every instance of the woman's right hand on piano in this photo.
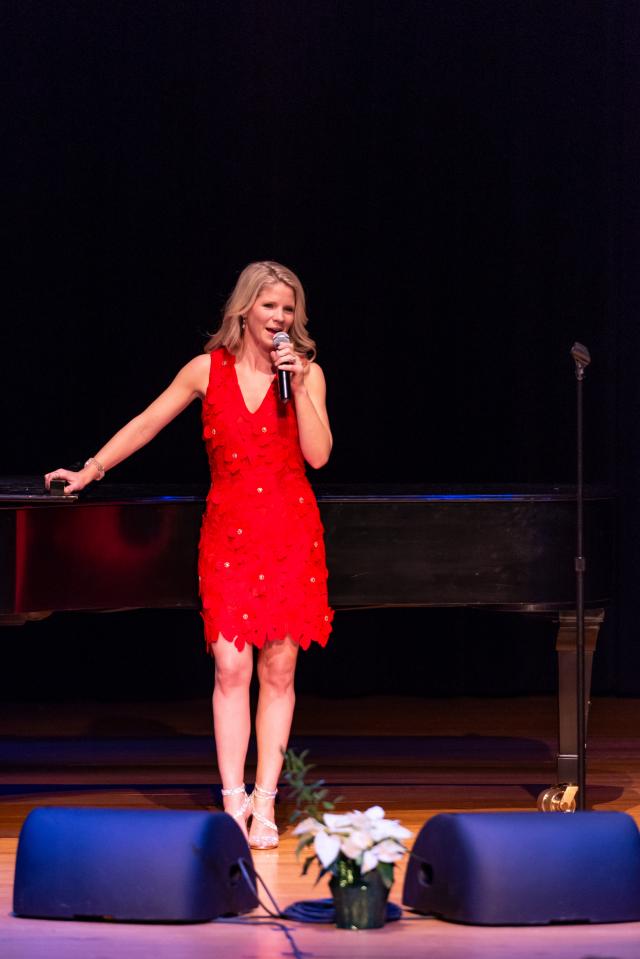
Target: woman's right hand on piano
(74, 481)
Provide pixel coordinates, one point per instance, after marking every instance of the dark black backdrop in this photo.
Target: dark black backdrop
(456, 183)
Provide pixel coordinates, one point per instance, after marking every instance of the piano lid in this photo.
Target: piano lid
(28, 490)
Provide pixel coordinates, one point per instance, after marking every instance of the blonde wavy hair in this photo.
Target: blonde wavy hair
(251, 282)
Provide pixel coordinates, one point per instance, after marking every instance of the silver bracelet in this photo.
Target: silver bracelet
(92, 461)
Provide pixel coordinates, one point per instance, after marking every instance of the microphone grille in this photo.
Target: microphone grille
(281, 337)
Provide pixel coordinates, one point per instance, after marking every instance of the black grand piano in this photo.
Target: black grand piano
(127, 547)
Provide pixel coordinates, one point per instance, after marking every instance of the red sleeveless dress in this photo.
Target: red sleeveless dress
(262, 566)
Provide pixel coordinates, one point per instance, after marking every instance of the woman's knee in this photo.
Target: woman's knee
(232, 668)
(277, 673)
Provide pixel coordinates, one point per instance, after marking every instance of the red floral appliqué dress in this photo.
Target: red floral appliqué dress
(262, 566)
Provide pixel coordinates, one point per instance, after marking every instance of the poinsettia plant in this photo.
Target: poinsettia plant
(347, 845)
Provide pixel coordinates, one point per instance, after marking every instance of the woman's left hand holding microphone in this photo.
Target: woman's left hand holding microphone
(285, 358)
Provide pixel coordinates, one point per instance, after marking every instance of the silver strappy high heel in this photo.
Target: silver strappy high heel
(244, 809)
(267, 841)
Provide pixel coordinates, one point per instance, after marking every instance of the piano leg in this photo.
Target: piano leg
(562, 796)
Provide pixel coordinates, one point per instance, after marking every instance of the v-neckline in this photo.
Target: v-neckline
(244, 402)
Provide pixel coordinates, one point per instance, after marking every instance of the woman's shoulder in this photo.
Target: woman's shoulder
(205, 362)
(199, 366)
(194, 375)
(207, 367)
(201, 361)
(218, 357)
(314, 372)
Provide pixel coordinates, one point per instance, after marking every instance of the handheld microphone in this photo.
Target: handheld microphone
(284, 376)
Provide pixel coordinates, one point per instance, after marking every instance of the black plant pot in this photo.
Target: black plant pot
(362, 905)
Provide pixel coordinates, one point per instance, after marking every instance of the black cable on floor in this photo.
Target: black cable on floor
(278, 914)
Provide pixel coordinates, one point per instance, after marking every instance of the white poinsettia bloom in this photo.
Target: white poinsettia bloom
(349, 849)
(359, 824)
(389, 829)
(355, 843)
(363, 832)
(336, 822)
(327, 848)
(364, 838)
(310, 825)
(369, 861)
(389, 851)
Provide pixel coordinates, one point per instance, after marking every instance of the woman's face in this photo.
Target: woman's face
(271, 313)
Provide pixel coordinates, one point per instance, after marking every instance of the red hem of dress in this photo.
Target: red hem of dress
(240, 641)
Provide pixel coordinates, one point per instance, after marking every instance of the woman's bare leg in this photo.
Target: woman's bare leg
(231, 716)
(276, 700)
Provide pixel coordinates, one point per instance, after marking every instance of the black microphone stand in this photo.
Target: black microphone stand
(582, 359)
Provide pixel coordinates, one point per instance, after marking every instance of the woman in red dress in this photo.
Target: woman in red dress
(263, 578)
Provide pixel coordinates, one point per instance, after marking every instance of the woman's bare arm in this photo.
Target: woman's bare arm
(190, 383)
(313, 422)
(309, 389)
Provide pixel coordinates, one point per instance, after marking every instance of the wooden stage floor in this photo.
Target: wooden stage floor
(415, 757)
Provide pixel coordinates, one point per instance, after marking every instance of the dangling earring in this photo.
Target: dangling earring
(242, 324)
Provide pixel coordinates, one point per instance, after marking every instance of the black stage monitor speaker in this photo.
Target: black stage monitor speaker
(526, 868)
(131, 865)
